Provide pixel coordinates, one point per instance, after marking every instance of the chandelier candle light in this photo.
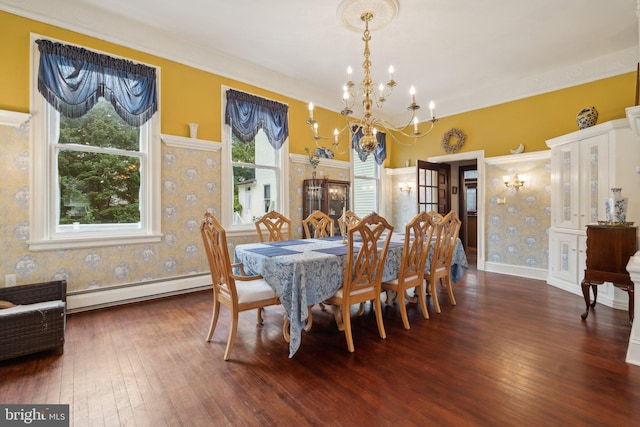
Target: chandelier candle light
(368, 124)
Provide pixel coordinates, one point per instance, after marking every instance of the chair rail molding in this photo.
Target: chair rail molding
(13, 118)
(302, 158)
(190, 143)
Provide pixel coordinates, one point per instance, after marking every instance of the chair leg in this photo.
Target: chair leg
(259, 319)
(285, 329)
(378, 310)
(423, 300)
(450, 289)
(232, 335)
(337, 313)
(346, 321)
(387, 300)
(434, 295)
(403, 314)
(214, 319)
(309, 322)
(361, 309)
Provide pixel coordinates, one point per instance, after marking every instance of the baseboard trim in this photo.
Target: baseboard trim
(517, 270)
(117, 295)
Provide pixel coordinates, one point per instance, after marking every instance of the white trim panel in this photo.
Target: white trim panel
(107, 297)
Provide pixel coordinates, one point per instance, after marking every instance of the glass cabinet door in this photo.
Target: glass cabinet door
(314, 196)
(337, 202)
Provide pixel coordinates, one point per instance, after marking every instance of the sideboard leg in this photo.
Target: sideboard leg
(585, 293)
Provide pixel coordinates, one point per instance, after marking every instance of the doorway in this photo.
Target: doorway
(468, 205)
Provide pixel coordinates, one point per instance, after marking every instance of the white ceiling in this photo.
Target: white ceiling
(463, 54)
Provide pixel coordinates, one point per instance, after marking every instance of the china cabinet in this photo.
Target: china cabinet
(326, 195)
(585, 165)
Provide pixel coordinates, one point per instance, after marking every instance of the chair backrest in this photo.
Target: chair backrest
(346, 221)
(417, 241)
(446, 231)
(321, 225)
(435, 216)
(273, 222)
(365, 263)
(214, 238)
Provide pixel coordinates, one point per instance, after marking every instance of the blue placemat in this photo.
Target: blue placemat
(272, 251)
(331, 238)
(336, 250)
(287, 243)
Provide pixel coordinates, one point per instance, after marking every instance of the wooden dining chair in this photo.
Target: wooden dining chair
(363, 272)
(237, 292)
(440, 268)
(414, 258)
(318, 224)
(347, 219)
(273, 223)
(435, 216)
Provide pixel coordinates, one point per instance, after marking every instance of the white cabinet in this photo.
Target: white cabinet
(585, 165)
(579, 182)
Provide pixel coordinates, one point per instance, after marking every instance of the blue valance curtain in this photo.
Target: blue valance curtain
(72, 79)
(379, 154)
(247, 114)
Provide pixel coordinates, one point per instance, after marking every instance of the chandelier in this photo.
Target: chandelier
(368, 124)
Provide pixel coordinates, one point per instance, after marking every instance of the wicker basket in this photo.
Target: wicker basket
(37, 329)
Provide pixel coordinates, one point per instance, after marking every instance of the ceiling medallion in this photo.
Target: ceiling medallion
(350, 13)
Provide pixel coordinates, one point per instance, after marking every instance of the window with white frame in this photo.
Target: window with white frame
(96, 175)
(366, 183)
(254, 151)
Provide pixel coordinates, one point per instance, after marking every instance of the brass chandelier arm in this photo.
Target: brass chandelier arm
(368, 124)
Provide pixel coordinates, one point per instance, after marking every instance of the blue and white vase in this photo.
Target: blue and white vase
(616, 207)
(587, 117)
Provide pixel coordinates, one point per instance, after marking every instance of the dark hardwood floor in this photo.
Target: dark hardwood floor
(513, 352)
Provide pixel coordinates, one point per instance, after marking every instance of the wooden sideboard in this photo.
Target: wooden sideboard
(609, 248)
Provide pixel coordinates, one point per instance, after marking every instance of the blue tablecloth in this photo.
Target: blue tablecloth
(306, 274)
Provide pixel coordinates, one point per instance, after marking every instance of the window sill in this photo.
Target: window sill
(91, 242)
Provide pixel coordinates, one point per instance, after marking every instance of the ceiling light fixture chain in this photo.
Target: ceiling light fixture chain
(369, 124)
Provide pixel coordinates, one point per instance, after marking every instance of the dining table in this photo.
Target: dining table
(304, 272)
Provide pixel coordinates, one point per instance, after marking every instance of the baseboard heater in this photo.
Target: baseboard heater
(123, 294)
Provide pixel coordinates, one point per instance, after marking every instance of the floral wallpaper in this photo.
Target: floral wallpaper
(190, 184)
(517, 231)
(191, 181)
(405, 204)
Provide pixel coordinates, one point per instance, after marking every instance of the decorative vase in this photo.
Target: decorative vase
(587, 117)
(616, 207)
(193, 130)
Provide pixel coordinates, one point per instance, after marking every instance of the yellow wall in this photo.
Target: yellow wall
(187, 94)
(530, 121)
(192, 95)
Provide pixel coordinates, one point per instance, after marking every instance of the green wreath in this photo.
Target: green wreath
(460, 136)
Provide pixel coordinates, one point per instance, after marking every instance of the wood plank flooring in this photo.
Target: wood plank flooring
(513, 352)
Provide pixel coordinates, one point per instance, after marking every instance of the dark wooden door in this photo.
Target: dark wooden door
(433, 187)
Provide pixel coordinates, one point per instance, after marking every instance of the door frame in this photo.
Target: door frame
(462, 203)
(478, 156)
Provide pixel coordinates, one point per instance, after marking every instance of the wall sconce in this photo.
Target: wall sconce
(405, 186)
(514, 181)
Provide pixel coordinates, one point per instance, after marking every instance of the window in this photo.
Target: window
(267, 198)
(366, 182)
(252, 167)
(95, 176)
